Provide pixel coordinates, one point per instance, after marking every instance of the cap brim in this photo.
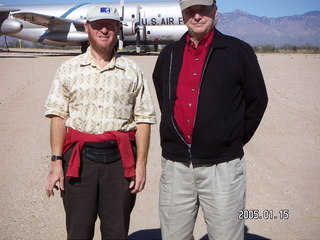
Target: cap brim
(102, 18)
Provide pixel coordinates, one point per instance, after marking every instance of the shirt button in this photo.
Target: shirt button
(189, 136)
(189, 104)
(188, 121)
(194, 74)
(98, 124)
(100, 89)
(197, 59)
(193, 90)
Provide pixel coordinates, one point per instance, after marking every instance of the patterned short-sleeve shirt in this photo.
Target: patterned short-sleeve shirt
(96, 99)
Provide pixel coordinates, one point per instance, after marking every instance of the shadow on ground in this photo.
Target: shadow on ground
(155, 234)
(43, 52)
(16, 53)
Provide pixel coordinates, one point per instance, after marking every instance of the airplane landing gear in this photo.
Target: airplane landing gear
(84, 46)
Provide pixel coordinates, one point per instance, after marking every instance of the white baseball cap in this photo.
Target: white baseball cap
(102, 11)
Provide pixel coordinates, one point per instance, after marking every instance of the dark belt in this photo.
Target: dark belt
(101, 152)
(102, 145)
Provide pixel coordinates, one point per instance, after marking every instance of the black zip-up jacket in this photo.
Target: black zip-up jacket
(231, 102)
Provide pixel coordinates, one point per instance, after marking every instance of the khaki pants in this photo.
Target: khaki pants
(218, 189)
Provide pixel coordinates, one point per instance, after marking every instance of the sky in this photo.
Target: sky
(268, 8)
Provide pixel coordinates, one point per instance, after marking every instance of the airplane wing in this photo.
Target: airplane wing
(4, 11)
(8, 9)
(53, 23)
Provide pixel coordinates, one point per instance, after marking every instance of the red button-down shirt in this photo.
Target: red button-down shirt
(188, 88)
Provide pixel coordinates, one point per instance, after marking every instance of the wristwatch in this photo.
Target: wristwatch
(55, 158)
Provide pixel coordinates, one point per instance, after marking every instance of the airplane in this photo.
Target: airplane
(146, 23)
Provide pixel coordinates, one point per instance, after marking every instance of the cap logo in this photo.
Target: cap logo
(105, 9)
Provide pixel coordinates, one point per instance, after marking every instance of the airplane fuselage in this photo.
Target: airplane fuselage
(158, 22)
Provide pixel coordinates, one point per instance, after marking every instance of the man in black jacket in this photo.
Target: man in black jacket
(212, 98)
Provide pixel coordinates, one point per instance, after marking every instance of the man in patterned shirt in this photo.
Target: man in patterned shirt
(101, 110)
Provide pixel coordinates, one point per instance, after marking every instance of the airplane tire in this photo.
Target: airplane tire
(84, 47)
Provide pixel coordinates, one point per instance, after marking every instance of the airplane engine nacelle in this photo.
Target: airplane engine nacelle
(75, 36)
(10, 26)
(128, 28)
(162, 34)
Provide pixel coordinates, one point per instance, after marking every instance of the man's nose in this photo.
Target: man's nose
(197, 16)
(104, 29)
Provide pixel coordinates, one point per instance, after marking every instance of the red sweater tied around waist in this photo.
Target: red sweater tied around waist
(79, 138)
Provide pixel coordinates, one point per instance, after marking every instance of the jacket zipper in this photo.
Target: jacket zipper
(182, 138)
(173, 123)
(170, 68)
(201, 80)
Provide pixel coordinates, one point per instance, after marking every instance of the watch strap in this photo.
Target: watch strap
(55, 158)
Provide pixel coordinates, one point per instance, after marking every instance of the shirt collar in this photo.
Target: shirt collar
(206, 40)
(88, 60)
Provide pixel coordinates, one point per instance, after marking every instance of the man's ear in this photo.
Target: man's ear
(184, 19)
(216, 16)
(119, 27)
(86, 27)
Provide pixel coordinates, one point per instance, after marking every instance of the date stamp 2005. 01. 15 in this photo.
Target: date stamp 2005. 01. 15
(267, 214)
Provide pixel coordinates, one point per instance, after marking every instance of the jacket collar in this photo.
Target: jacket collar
(218, 40)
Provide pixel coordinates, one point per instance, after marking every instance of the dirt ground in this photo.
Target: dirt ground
(282, 159)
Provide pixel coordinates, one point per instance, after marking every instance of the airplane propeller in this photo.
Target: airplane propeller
(121, 29)
(137, 28)
(126, 27)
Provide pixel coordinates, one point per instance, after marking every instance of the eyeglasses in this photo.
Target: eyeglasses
(203, 11)
(97, 25)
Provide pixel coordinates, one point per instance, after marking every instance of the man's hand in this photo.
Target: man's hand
(55, 175)
(142, 141)
(57, 136)
(138, 182)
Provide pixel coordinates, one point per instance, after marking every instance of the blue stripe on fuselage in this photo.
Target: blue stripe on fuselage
(42, 38)
(72, 9)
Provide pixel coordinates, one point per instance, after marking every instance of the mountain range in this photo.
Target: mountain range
(295, 30)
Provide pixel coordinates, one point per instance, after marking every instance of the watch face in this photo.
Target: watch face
(54, 158)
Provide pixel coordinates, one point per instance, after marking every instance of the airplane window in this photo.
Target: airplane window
(148, 32)
(132, 16)
(159, 15)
